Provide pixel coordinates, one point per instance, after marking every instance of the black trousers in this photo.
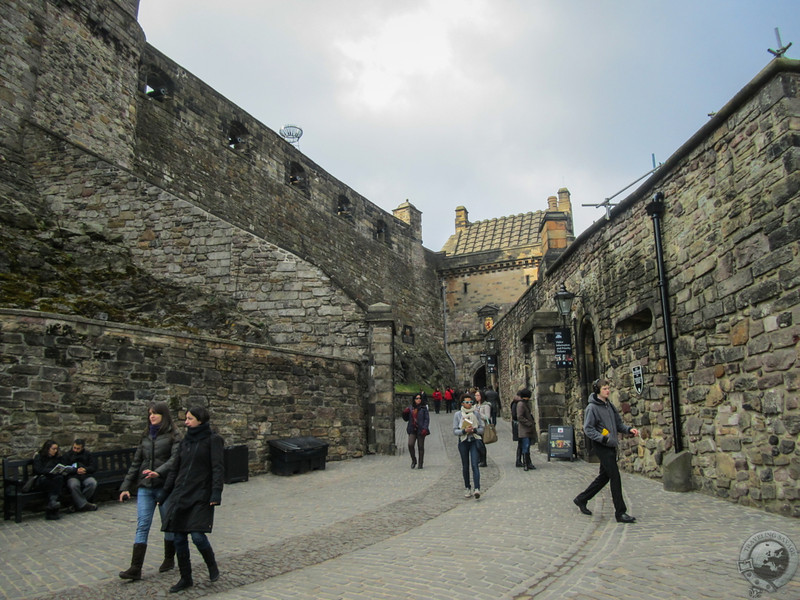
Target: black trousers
(609, 473)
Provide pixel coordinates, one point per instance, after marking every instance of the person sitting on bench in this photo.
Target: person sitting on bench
(46, 459)
(80, 483)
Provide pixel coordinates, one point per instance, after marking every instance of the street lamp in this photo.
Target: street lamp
(564, 300)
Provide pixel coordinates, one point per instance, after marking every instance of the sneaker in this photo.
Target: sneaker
(477, 494)
(468, 493)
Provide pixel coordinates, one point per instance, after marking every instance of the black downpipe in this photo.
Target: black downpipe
(655, 209)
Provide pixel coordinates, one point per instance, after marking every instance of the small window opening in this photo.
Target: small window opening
(237, 135)
(381, 231)
(343, 207)
(637, 323)
(158, 86)
(297, 177)
(466, 287)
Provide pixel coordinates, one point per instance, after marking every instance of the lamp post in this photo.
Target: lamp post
(563, 339)
(490, 350)
(564, 301)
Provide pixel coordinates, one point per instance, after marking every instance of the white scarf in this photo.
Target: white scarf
(468, 415)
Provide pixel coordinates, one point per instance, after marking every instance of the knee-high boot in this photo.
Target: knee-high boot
(519, 456)
(134, 572)
(169, 557)
(529, 466)
(211, 561)
(185, 568)
(421, 457)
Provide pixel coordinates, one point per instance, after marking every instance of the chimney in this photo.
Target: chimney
(462, 218)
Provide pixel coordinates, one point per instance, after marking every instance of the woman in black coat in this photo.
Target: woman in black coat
(194, 488)
(44, 461)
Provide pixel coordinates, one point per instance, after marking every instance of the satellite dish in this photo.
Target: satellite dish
(292, 134)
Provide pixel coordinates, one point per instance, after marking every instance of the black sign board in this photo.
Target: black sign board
(491, 363)
(638, 379)
(563, 343)
(561, 442)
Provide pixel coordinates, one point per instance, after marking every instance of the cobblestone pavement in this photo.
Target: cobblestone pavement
(375, 529)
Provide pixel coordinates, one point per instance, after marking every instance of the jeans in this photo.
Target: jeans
(526, 446)
(146, 500)
(81, 491)
(469, 456)
(198, 537)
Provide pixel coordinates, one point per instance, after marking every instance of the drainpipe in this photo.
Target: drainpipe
(444, 320)
(656, 209)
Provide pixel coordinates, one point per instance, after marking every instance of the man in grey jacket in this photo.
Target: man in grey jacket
(601, 424)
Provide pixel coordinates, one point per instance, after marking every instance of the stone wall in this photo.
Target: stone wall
(65, 377)
(731, 239)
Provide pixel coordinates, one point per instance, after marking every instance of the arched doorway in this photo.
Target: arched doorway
(479, 378)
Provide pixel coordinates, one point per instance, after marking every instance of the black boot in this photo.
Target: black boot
(413, 462)
(185, 568)
(169, 557)
(134, 572)
(421, 456)
(529, 463)
(519, 456)
(211, 563)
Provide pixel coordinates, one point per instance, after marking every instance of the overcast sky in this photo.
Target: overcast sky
(489, 104)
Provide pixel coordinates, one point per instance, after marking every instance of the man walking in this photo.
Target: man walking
(601, 424)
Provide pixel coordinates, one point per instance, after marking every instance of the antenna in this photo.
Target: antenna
(781, 48)
(292, 134)
(607, 202)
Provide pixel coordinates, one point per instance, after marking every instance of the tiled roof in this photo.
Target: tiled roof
(496, 234)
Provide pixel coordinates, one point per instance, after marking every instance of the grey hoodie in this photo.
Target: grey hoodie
(603, 415)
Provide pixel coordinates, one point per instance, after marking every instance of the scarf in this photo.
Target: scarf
(468, 415)
(194, 434)
(154, 431)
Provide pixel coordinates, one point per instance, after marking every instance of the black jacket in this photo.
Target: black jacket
(84, 459)
(195, 482)
(157, 455)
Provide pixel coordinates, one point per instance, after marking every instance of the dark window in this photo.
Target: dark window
(381, 231)
(297, 177)
(343, 207)
(237, 135)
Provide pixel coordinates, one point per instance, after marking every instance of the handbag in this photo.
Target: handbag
(489, 434)
(30, 484)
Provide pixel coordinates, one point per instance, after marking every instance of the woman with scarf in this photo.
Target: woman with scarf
(194, 488)
(468, 426)
(152, 462)
(419, 422)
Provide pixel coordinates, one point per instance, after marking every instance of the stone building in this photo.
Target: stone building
(717, 362)
(158, 242)
(486, 267)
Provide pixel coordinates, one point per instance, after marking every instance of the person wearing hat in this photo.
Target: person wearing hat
(602, 424)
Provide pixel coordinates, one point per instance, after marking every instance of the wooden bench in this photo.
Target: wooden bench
(112, 466)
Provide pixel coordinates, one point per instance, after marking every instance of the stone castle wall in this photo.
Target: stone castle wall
(67, 377)
(731, 239)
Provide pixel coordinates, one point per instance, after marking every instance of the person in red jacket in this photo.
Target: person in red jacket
(437, 400)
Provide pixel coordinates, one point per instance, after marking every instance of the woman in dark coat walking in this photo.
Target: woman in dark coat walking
(419, 423)
(194, 488)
